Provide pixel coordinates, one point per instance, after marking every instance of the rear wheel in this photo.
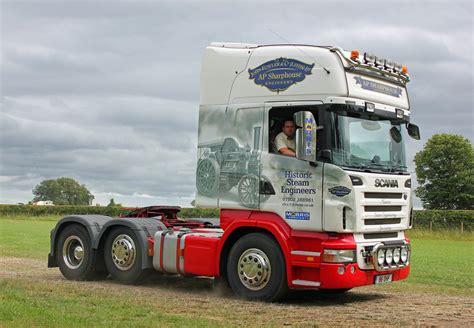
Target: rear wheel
(123, 256)
(256, 268)
(74, 253)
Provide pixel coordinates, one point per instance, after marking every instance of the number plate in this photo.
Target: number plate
(383, 279)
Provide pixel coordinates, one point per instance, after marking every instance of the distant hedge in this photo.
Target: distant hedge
(444, 219)
(31, 210)
(430, 219)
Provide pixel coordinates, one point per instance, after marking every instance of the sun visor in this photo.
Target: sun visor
(377, 90)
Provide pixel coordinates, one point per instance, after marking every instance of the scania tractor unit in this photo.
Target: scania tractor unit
(330, 215)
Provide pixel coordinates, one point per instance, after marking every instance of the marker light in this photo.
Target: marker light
(399, 113)
(355, 55)
(369, 107)
(404, 69)
(369, 58)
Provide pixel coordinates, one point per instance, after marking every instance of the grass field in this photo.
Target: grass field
(442, 263)
(442, 260)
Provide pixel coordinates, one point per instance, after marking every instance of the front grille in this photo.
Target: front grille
(382, 221)
(381, 235)
(381, 208)
(384, 195)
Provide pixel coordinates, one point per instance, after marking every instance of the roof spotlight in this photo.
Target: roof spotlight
(369, 58)
(379, 61)
(397, 67)
(389, 64)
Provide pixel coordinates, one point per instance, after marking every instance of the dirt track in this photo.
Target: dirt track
(368, 306)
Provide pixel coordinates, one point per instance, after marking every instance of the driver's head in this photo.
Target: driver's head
(289, 128)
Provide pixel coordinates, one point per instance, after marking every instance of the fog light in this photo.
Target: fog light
(353, 270)
(404, 254)
(396, 255)
(381, 256)
(389, 256)
(341, 270)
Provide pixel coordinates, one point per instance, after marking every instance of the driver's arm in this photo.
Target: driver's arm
(287, 151)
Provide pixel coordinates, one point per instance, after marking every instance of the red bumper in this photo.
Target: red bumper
(352, 276)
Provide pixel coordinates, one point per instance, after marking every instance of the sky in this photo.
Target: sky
(107, 92)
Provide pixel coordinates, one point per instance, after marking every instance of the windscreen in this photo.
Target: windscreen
(365, 142)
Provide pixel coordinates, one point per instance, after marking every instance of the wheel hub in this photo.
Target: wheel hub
(78, 253)
(254, 269)
(123, 252)
(73, 252)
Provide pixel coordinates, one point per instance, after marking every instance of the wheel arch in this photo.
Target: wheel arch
(143, 228)
(267, 223)
(92, 223)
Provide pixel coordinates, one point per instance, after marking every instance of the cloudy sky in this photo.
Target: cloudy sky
(107, 92)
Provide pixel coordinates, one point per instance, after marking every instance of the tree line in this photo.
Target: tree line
(444, 172)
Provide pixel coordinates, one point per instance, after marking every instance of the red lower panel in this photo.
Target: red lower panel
(330, 278)
(200, 256)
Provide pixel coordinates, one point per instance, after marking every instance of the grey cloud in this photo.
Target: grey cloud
(107, 92)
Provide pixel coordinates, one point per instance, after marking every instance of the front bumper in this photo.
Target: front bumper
(331, 278)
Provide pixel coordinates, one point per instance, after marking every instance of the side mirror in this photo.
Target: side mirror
(305, 136)
(413, 131)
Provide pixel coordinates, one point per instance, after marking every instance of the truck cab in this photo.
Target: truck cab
(348, 180)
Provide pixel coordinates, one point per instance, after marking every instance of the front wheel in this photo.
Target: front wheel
(256, 268)
(123, 256)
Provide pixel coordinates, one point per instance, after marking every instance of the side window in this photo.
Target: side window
(278, 127)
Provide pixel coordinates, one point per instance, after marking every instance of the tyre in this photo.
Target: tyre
(74, 254)
(256, 268)
(123, 256)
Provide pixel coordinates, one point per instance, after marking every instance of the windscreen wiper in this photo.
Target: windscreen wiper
(372, 165)
(398, 167)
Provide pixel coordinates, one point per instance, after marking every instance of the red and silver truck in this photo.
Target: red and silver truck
(331, 217)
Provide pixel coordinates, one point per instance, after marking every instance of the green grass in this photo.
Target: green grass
(24, 237)
(442, 266)
(441, 261)
(41, 304)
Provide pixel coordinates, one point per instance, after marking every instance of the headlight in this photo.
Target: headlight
(404, 254)
(381, 256)
(396, 255)
(339, 255)
(389, 256)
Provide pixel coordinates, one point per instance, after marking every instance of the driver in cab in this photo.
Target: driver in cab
(285, 141)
